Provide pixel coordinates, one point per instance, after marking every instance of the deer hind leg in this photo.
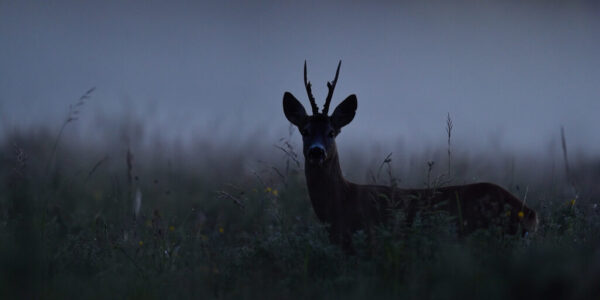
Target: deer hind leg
(520, 214)
(339, 236)
(481, 212)
(530, 222)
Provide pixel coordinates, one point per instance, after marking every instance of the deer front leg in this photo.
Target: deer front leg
(339, 235)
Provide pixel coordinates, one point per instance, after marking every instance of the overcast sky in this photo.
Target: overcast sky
(509, 73)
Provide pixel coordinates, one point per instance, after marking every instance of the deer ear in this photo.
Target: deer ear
(293, 109)
(344, 112)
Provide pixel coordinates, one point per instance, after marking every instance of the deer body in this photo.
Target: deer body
(348, 207)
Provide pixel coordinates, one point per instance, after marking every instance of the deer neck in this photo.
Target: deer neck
(326, 187)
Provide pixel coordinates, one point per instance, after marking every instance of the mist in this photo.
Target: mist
(509, 73)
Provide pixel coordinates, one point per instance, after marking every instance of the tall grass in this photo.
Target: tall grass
(220, 224)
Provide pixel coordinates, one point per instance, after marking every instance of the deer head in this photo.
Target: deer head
(319, 130)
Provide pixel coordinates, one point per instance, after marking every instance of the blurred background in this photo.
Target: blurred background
(509, 73)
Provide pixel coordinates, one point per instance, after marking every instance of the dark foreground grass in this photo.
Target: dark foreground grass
(86, 223)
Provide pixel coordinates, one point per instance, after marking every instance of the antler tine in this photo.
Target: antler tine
(313, 104)
(331, 87)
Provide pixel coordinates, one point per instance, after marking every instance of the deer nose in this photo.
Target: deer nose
(316, 154)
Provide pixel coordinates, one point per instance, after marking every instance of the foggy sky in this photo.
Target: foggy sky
(509, 73)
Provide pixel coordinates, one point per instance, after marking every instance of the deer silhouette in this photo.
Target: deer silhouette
(348, 207)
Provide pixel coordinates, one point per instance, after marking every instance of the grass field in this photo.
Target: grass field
(148, 222)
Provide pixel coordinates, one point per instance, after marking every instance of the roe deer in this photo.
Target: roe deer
(348, 207)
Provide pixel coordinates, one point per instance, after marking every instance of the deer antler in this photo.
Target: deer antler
(331, 87)
(313, 104)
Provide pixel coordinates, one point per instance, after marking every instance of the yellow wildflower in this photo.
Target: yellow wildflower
(521, 215)
(572, 202)
(275, 193)
(172, 228)
(268, 189)
(141, 243)
(221, 230)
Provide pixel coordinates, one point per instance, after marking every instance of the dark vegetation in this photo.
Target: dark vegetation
(136, 221)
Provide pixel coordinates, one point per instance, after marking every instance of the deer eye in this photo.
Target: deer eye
(332, 134)
(304, 132)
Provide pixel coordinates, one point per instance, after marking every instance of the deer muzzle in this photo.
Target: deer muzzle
(316, 154)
